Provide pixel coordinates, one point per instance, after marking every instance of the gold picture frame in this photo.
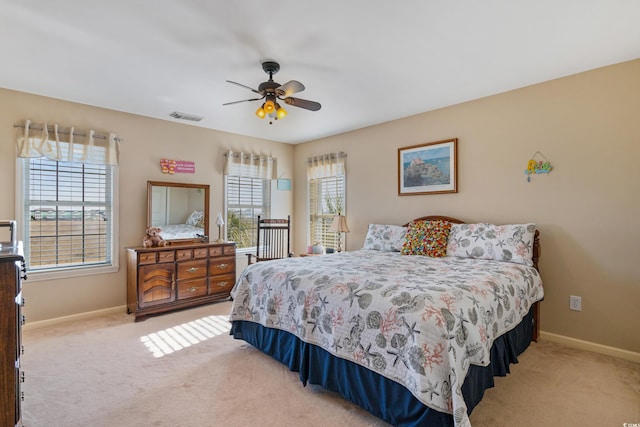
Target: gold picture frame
(430, 168)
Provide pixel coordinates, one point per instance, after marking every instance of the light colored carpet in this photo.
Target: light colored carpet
(183, 369)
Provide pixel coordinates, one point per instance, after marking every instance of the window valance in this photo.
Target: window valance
(249, 165)
(326, 165)
(66, 144)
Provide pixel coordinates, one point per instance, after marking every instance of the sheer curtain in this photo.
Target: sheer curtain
(249, 165)
(326, 165)
(66, 144)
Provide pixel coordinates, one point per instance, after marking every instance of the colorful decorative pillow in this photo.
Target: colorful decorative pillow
(511, 243)
(196, 219)
(427, 238)
(386, 238)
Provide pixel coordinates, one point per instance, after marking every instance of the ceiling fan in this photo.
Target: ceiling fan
(272, 91)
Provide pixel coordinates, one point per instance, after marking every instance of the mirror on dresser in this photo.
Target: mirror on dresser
(181, 210)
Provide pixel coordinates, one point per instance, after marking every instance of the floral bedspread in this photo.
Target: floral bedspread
(417, 320)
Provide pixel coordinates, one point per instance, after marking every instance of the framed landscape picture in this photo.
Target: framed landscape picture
(430, 168)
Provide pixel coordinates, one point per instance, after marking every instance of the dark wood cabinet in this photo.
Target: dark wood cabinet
(174, 277)
(155, 284)
(12, 272)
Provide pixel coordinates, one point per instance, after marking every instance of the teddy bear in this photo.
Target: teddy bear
(153, 238)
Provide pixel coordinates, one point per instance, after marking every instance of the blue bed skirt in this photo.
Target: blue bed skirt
(380, 396)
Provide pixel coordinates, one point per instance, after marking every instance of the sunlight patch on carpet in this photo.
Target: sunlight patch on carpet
(176, 338)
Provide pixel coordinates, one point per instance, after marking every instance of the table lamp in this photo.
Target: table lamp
(339, 226)
(220, 223)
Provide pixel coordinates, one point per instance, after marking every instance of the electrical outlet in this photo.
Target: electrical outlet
(575, 303)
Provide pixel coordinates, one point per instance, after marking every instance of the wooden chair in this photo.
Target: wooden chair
(273, 240)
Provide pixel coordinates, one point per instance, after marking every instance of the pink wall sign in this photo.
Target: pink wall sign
(177, 166)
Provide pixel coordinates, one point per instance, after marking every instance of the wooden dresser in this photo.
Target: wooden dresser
(12, 272)
(174, 277)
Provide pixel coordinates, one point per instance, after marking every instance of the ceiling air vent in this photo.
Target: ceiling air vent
(185, 116)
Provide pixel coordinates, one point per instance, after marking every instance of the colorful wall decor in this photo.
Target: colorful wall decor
(177, 166)
(537, 166)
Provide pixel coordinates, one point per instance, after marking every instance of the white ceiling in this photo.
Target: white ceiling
(365, 61)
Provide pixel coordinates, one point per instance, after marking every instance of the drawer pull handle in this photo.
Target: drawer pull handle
(223, 266)
(193, 269)
(22, 377)
(192, 289)
(222, 284)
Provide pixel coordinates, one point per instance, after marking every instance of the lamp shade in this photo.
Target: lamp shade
(281, 112)
(339, 224)
(269, 107)
(219, 220)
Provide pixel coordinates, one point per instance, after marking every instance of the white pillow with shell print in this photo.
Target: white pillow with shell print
(510, 243)
(196, 219)
(386, 238)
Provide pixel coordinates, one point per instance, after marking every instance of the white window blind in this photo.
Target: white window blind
(326, 200)
(67, 214)
(246, 199)
(326, 180)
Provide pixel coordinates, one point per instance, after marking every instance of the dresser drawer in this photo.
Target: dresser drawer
(200, 253)
(222, 283)
(223, 265)
(192, 288)
(147, 258)
(182, 254)
(229, 250)
(215, 251)
(192, 269)
(166, 256)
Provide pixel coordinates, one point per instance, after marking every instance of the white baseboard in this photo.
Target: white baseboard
(73, 317)
(590, 346)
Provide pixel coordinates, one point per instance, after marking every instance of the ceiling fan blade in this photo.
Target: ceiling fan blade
(303, 103)
(244, 86)
(244, 100)
(289, 88)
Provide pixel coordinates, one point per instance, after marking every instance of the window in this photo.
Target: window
(67, 214)
(66, 188)
(246, 199)
(326, 200)
(247, 185)
(326, 180)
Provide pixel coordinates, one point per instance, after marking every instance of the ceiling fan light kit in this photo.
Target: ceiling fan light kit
(260, 112)
(281, 113)
(269, 107)
(272, 92)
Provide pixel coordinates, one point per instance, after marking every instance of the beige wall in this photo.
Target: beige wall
(587, 126)
(145, 142)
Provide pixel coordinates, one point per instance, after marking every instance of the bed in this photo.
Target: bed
(193, 227)
(181, 231)
(413, 339)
